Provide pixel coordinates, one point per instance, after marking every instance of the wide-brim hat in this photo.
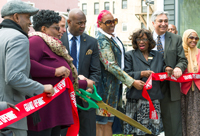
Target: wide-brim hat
(20, 7)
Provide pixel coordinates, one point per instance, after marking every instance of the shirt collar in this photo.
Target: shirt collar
(106, 34)
(155, 35)
(70, 36)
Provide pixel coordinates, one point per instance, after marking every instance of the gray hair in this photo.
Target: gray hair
(63, 15)
(157, 13)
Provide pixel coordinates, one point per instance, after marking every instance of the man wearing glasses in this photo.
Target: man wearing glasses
(84, 51)
(170, 45)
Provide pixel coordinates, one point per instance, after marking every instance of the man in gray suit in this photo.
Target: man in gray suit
(15, 61)
(86, 59)
(170, 45)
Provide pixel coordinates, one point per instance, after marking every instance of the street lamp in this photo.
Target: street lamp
(148, 2)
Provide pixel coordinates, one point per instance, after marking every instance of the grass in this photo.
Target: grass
(121, 135)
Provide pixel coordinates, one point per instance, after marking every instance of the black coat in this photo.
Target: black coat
(135, 63)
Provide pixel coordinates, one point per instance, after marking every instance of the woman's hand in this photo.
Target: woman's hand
(62, 71)
(138, 84)
(146, 73)
(82, 77)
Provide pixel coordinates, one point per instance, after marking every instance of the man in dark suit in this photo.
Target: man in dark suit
(170, 45)
(84, 50)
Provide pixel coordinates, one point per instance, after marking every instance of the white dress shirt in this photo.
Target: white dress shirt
(162, 38)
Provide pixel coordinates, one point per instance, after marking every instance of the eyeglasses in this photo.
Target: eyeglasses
(110, 22)
(144, 40)
(192, 38)
(56, 27)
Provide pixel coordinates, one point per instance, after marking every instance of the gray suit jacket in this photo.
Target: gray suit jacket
(174, 56)
(14, 70)
(89, 65)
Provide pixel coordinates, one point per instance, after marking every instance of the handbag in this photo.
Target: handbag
(6, 132)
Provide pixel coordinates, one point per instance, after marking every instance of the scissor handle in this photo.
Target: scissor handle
(93, 95)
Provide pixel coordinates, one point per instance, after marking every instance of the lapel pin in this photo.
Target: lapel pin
(84, 40)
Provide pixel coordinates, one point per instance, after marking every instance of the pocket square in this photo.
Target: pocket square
(89, 52)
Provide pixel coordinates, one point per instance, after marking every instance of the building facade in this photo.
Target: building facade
(57, 5)
(131, 14)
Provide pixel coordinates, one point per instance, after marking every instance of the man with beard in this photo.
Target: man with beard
(84, 51)
(170, 45)
(15, 60)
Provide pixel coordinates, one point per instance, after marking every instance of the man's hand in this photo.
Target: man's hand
(177, 72)
(90, 83)
(169, 71)
(62, 71)
(49, 90)
(82, 77)
(138, 84)
(146, 73)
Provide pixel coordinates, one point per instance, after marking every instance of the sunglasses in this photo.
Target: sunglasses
(56, 27)
(192, 38)
(110, 22)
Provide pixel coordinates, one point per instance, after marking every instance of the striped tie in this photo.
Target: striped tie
(159, 45)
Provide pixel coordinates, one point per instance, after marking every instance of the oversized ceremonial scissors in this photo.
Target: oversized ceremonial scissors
(100, 104)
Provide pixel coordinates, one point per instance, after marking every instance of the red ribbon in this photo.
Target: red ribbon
(161, 77)
(26, 107)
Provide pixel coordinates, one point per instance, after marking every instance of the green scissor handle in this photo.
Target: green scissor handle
(93, 95)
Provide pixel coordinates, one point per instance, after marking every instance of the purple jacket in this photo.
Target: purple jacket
(43, 65)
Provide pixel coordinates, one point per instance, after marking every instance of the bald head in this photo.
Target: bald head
(76, 22)
(172, 29)
(74, 12)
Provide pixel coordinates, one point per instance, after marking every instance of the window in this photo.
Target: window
(124, 27)
(142, 25)
(113, 7)
(96, 8)
(95, 29)
(144, 7)
(124, 4)
(84, 8)
(106, 5)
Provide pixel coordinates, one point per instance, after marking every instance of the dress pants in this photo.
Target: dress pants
(171, 114)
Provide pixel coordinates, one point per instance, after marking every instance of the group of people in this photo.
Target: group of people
(33, 63)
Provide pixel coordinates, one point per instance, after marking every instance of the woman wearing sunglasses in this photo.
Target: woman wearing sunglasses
(50, 62)
(190, 99)
(111, 51)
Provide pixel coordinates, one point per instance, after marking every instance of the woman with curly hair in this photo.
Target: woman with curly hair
(50, 62)
(139, 64)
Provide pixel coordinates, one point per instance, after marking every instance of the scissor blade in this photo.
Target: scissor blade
(122, 116)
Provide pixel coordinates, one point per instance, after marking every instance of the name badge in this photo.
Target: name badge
(150, 58)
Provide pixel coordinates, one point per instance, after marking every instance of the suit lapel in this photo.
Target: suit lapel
(66, 41)
(115, 43)
(83, 48)
(168, 41)
(139, 55)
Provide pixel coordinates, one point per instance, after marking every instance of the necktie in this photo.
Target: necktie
(74, 51)
(159, 45)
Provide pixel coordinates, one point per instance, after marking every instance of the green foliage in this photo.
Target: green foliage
(189, 16)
